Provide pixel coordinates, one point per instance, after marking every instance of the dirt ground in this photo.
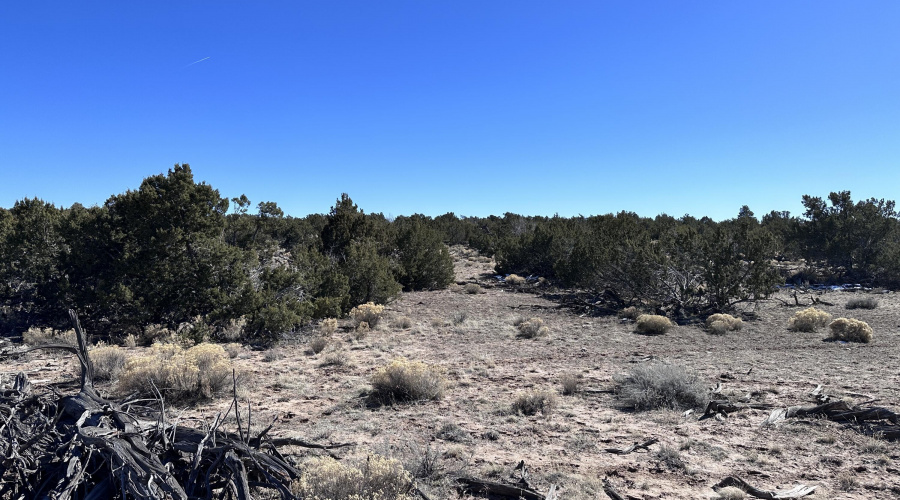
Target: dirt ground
(471, 430)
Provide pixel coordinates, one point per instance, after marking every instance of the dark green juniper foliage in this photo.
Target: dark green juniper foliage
(169, 252)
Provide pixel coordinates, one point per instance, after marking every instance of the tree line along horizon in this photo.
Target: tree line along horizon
(171, 252)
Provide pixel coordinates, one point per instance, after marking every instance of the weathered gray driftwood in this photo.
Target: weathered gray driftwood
(85, 446)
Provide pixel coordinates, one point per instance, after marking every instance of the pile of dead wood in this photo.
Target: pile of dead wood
(84, 446)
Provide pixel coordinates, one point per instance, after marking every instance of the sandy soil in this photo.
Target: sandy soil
(471, 430)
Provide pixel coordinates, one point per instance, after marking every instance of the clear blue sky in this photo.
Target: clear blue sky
(473, 107)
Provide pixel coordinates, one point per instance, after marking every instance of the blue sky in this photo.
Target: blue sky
(473, 107)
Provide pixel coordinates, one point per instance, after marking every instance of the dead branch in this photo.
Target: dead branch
(85, 446)
(636, 446)
(724, 407)
(797, 492)
(875, 420)
(477, 486)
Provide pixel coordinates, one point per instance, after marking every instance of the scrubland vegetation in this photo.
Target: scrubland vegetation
(180, 285)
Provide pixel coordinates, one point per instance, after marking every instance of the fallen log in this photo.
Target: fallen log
(85, 446)
(797, 492)
(469, 485)
(876, 420)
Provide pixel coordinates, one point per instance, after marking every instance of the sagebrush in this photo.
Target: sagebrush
(108, 362)
(862, 303)
(659, 385)
(532, 328)
(378, 478)
(369, 313)
(534, 402)
(181, 375)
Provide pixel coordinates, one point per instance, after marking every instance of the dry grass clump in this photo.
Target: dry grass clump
(402, 323)
(862, 303)
(369, 313)
(458, 317)
(514, 280)
(181, 375)
(156, 333)
(379, 478)
(850, 330)
(721, 323)
(328, 326)
(232, 348)
(403, 380)
(658, 385)
(652, 324)
(532, 328)
(318, 344)
(530, 403)
(44, 336)
(809, 320)
(630, 312)
(571, 382)
(472, 288)
(108, 362)
(232, 331)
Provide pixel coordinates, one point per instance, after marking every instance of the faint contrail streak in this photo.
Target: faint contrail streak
(198, 61)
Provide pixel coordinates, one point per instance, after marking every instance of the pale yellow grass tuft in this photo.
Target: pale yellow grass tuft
(809, 320)
(653, 324)
(850, 330)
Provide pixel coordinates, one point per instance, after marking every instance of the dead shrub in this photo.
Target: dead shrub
(35, 336)
(472, 288)
(453, 432)
(328, 326)
(631, 313)
(809, 320)
(335, 358)
(850, 330)
(403, 381)
(720, 324)
(233, 330)
(130, 340)
(402, 323)
(532, 328)
(379, 478)
(862, 303)
(369, 313)
(318, 344)
(570, 383)
(656, 385)
(181, 375)
(531, 403)
(154, 333)
(652, 324)
(514, 280)
(108, 362)
(459, 317)
(232, 348)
